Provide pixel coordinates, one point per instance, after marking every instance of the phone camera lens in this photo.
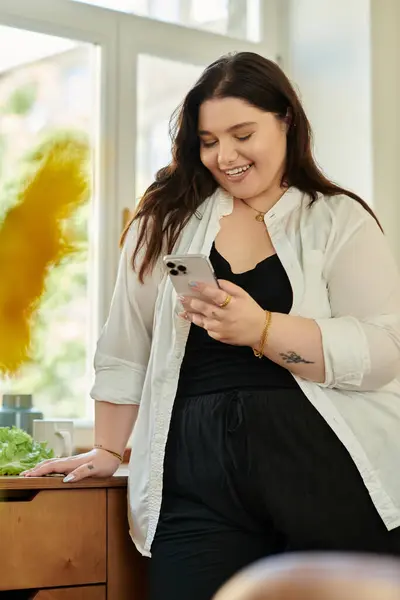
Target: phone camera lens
(171, 265)
(174, 272)
(182, 268)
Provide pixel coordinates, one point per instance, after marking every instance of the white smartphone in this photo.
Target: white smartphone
(186, 268)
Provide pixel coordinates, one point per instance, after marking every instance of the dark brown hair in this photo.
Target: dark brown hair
(182, 186)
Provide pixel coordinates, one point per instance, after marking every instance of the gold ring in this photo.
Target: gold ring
(226, 301)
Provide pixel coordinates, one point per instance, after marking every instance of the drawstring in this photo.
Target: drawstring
(235, 417)
(235, 412)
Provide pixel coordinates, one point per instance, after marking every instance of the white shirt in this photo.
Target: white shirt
(342, 275)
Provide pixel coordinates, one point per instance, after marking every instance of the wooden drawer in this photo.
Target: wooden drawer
(95, 592)
(52, 538)
(90, 592)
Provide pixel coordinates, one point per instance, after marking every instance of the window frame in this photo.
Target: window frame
(122, 38)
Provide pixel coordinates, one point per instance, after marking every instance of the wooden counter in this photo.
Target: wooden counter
(68, 541)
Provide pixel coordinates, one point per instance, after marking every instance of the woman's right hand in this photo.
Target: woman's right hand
(96, 463)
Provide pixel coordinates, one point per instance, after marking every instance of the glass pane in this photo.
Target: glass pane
(331, 64)
(162, 85)
(236, 18)
(48, 85)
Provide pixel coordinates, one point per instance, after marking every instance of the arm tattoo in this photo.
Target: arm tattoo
(292, 357)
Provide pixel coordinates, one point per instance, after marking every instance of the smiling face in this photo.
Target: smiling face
(242, 146)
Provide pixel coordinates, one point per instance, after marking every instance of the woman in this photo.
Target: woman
(269, 410)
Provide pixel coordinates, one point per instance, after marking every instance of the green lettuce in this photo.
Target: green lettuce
(19, 451)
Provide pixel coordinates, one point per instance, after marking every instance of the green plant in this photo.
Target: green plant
(21, 100)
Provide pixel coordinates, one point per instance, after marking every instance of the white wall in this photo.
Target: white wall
(328, 57)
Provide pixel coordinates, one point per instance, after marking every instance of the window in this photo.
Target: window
(330, 48)
(48, 84)
(162, 85)
(117, 77)
(236, 18)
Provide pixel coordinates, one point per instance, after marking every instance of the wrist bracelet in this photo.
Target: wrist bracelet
(264, 336)
(119, 456)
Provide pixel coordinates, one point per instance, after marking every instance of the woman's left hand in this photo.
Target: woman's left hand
(228, 314)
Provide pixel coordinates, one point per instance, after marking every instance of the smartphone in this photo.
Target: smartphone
(185, 268)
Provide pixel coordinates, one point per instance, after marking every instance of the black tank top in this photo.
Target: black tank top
(210, 366)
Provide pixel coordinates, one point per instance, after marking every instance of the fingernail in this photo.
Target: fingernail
(68, 478)
(184, 316)
(193, 284)
(181, 298)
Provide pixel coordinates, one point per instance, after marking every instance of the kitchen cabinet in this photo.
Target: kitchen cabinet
(62, 541)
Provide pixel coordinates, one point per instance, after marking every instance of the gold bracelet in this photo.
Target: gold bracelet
(264, 336)
(119, 456)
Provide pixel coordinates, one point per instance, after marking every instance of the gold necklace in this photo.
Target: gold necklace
(259, 216)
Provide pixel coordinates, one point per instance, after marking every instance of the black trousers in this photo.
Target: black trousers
(251, 474)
